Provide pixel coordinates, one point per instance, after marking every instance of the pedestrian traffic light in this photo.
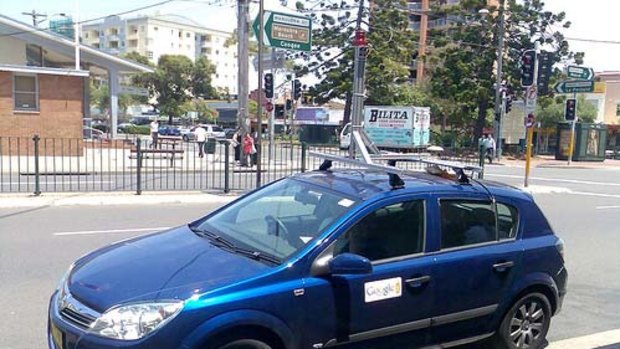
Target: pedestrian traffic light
(508, 104)
(289, 104)
(269, 85)
(296, 89)
(528, 62)
(571, 109)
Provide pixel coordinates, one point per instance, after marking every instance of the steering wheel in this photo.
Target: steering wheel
(281, 230)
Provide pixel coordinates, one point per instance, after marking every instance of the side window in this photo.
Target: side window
(466, 223)
(507, 220)
(391, 231)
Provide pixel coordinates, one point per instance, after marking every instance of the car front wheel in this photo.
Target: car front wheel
(526, 324)
(246, 344)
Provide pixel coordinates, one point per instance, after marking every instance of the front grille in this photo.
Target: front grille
(81, 320)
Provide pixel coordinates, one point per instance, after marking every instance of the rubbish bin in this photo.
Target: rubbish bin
(590, 142)
(210, 145)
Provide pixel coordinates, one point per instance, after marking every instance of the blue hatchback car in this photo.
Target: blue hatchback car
(326, 258)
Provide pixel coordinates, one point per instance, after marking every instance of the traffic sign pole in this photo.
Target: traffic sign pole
(530, 129)
(571, 146)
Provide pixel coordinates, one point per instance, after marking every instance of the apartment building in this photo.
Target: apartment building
(154, 36)
(415, 7)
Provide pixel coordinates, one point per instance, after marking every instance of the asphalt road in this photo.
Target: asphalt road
(38, 244)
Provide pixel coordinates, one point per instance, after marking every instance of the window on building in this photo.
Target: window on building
(34, 55)
(171, 31)
(26, 92)
(155, 28)
(207, 38)
(86, 35)
(392, 231)
(149, 54)
(180, 34)
(96, 45)
(206, 50)
(466, 223)
(217, 52)
(142, 28)
(618, 109)
(188, 35)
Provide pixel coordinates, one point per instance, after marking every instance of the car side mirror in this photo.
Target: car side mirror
(349, 264)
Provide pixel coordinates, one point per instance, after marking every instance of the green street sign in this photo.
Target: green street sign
(285, 31)
(574, 87)
(581, 73)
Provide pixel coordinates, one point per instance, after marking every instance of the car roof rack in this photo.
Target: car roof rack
(394, 172)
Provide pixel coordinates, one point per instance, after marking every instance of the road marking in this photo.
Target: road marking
(56, 183)
(92, 232)
(606, 207)
(573, 181)
(597, 340)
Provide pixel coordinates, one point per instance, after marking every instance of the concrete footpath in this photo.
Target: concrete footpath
(603, 340)
(113, 198)
(548, 161)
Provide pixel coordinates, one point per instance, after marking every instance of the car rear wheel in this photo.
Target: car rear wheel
(246, 344)
(525, 325)
(185, 138)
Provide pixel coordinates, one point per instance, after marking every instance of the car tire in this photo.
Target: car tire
(185, 139)
(525, 325)
(246, 344)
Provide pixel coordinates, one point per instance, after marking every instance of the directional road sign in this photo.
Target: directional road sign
(136, 91)
(581, 73)
(574, 87)
(286, 31)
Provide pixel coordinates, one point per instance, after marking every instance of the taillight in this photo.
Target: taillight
(560, 246)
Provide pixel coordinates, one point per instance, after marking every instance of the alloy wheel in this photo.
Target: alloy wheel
(527, 324)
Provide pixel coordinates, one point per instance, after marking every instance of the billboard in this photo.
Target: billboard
(397, 126)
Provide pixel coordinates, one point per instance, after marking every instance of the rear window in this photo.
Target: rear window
(465, 223)
(507, 219)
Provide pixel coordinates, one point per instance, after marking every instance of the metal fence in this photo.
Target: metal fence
(39, 165)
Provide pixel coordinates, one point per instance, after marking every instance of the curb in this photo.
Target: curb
(113, 198)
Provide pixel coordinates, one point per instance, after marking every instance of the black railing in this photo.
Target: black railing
(39, 165)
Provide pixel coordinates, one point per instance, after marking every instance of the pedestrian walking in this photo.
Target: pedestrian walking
(201, 138)
(154, 132)
(490, 148)
(248, 148)
(236, 143)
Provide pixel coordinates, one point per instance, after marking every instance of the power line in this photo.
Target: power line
(594, 41)
(93, 19)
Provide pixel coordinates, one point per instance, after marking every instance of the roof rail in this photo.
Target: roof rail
(394, 172)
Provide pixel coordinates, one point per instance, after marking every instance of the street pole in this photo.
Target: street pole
(571, 146)
(498, 82)
(273, 111)
(530, 130)
(358, 80)
(422, 42)
(259, 109)
(242, 63)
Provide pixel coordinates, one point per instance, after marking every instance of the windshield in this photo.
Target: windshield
(280, 219)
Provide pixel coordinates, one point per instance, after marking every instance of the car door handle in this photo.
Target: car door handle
(418, 281)
(503, 266)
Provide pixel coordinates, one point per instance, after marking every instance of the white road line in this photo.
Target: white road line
(92, 232)
(57, 183)
(607, 207)
(574, 181)
(593, 341)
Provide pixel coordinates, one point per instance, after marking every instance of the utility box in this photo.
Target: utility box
(590, 142)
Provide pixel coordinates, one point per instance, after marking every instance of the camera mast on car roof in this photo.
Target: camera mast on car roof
(369, 154)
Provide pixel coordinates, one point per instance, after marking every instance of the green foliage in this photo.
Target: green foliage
(138, 129)
(177, 80)
(331, 61)
(206, 114)
(462, 63)
(551, 111)
(100, 98)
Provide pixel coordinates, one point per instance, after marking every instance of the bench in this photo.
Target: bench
(172, 154)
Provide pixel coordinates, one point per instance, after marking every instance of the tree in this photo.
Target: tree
(100, 98)
(331, 60)
(177, 80)
(206, 114)
(462, 63)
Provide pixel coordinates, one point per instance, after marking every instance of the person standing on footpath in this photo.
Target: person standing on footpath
(248, 146)
(201, 138)
(154, 132)
(490, 144)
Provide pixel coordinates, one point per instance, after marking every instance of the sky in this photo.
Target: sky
(594, 19)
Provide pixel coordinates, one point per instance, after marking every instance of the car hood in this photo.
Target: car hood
(174, 264)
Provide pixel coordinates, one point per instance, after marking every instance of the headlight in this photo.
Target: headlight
(134, 321)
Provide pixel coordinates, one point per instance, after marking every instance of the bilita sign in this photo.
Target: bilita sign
(397, 127)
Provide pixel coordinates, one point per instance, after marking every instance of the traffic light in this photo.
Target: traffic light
(528, 62)
(508, 104)
(571, 109)
(296, 89)
(545, 69)
(269, 85)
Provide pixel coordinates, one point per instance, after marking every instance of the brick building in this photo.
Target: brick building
(41, 91)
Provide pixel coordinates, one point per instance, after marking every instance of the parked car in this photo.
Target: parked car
(347, 258)
(169, 131)
(92, 133)
(213, 131)
(229, 132)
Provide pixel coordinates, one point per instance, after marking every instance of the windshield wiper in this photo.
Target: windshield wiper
(221, 242)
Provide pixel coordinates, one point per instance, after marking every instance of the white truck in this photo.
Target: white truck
(393, 127)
